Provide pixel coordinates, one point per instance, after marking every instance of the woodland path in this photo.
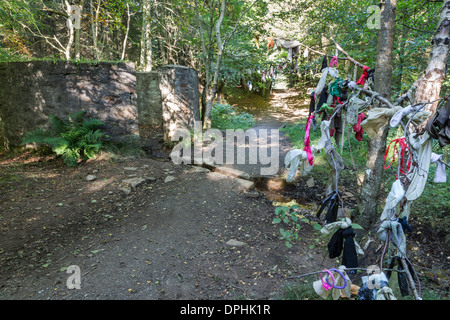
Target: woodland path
(182, 232)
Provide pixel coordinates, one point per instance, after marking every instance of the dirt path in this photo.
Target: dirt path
(182, 233)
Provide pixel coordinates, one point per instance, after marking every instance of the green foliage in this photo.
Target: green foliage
(288, 217)
(72, 138)
(225, 116)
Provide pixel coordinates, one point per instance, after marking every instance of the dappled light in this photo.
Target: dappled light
(224, 150)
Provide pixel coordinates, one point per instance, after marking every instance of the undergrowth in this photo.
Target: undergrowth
(434, 203)
(73, 138)
(225, 116)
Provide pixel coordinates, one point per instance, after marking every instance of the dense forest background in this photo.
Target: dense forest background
(152, 33)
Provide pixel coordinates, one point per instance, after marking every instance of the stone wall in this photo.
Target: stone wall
(149, 104)
(31, 91)
(168, 100)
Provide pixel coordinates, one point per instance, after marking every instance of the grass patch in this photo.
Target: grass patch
(225, 116)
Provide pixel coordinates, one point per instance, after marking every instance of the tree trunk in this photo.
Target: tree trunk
(370, 190)
(125, 40)
(429, 86)
(146, 44)
(78, 34)
(212, 95)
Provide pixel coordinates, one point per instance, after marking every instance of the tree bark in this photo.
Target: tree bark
(78, 34)
(212, 95)
(146, 44)
(125, 40)
(429, 87)
(370, 190)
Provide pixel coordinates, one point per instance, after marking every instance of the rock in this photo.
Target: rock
(134, 182)
(169, 179)
(199, 170)
(91, 177)
(245, 185)
(310, 183)
(235, 243)
(233, 172)
(125, 190)
(251, 194)
(130, 168)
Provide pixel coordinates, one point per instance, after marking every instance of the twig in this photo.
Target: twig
(362, 269)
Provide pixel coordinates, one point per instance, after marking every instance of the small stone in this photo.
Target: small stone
(130, 168)
(253, 194)
(235, 243)
(125, 190)
(199, 170)
(169, 179)
(134, 182)
(91, 177)
(310, 183)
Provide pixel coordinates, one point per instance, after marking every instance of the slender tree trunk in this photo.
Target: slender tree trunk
(78, 34)
(212, 96)
(429, 86)
(124, 47)
(71, 32)
(146, 44)
(370, 190)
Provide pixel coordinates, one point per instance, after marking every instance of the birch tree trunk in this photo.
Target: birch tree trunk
(78, 34)
(146, 44)
(212, 95)
(429, 86)
(71, 32)
(124, 47)
(370, 190)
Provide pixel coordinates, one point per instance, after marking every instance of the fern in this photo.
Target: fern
(72, 138)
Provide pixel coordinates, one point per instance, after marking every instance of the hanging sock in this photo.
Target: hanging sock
(404, 223)
(385, 293)
(402, 279)
(343, 242)
(307, 147)
(397, 234)
(394, 197)
(403, 147)
(359, 131)
(438, 127)
(364, 76)
(292, 161)
(333, 205)
(440, 176)
(424, 145)
(306, 53)
(334, 62)
(325, 107)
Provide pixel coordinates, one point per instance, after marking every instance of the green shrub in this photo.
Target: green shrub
(72, 138)
(225, 116)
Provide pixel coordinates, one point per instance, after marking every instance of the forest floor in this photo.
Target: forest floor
(183, 232)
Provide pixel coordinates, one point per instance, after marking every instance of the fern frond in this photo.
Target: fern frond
(77, 117)
(58, 125)
(70, 157)
(36, 136)
(59, 145)
(92, 124)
